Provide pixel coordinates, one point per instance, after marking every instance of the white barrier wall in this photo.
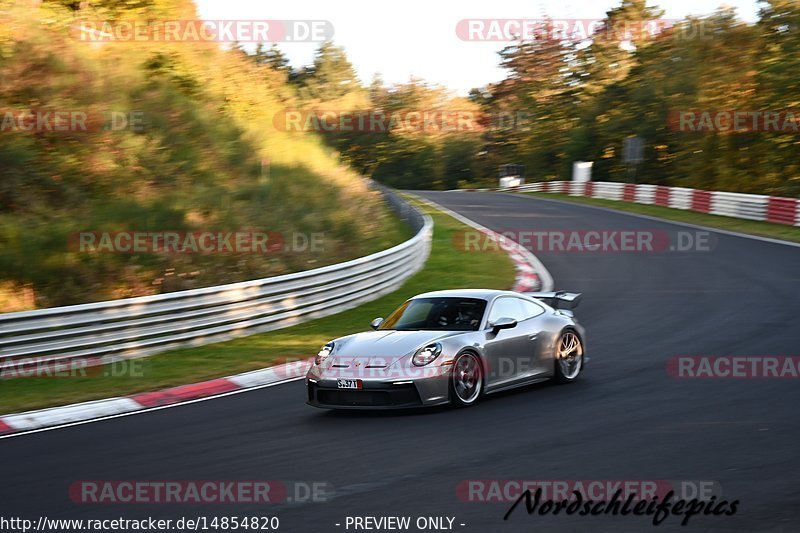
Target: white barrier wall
(645, 194)
(680, 198)
(738, 205)
(776, 209)
(608, 191)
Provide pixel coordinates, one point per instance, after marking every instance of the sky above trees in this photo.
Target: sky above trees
(410, 38)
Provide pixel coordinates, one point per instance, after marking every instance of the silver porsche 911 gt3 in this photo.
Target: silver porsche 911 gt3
(451, 346)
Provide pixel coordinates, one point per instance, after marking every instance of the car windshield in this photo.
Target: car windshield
(443, 314)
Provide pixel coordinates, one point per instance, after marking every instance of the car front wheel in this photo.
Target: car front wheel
(467, 380)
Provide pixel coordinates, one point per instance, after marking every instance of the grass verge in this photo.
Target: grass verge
(751, 227)
(447, 268)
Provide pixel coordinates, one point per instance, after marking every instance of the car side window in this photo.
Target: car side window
(507, 307)
(531, 309)
(419, 312)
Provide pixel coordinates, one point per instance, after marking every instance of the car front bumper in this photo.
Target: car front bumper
(378, 392)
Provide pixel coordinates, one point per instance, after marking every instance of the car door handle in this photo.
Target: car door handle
(533, 337)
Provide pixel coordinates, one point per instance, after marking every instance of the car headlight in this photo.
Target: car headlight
(427, 354)
(324, 353)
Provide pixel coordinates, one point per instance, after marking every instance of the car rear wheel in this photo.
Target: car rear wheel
(569, 357)
(467, 380)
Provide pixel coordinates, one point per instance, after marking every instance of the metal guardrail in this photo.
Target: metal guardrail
(104, 332)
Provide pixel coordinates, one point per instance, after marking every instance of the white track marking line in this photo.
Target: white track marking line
(150, 409)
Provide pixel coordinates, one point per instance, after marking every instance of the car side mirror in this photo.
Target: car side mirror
(502, 323)
(375, 324)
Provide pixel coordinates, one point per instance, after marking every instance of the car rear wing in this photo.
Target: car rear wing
(558, 299)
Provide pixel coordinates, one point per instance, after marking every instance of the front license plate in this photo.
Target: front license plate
(349, 383)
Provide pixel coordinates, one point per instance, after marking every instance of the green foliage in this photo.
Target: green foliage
(206, 156)
(588, 97)
(582, 97)
(331, 79)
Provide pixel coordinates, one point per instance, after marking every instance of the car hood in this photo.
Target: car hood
(383, 348)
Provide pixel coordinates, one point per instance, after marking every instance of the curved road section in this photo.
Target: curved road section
(672, 398)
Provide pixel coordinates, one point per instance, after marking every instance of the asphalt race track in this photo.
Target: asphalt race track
(626, 419)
